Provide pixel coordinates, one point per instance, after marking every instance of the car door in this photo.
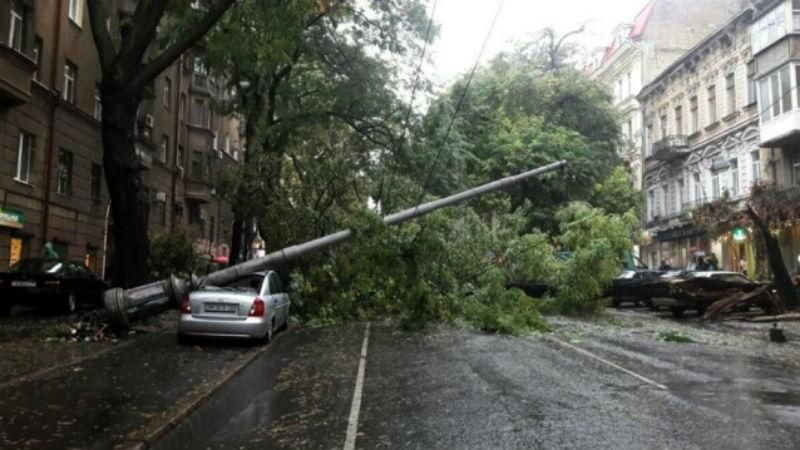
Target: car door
(269, 297)
(282, 298)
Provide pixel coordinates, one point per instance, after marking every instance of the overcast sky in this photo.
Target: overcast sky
(464, 24)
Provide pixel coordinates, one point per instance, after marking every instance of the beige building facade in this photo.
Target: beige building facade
(660, 34)
(701, 142)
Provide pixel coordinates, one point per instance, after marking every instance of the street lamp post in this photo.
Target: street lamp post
(124, 305)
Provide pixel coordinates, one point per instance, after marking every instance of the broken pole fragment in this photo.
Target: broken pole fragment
(124, 305)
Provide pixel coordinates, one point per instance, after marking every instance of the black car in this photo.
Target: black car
(54, 283)
(631, 287)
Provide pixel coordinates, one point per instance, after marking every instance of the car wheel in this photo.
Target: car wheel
(5, 309)
(615, 302)
(270, 331)
(285, 325)
(184, 339)
(677, 312)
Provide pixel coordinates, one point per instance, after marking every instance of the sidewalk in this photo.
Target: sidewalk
(101, 400)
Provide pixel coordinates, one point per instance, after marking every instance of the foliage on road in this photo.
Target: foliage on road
(673, 336)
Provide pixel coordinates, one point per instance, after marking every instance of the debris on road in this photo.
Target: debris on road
(776, 334)
(738, 301)
(788, 317)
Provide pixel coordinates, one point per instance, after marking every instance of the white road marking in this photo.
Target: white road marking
(355, 407)
(608, 363)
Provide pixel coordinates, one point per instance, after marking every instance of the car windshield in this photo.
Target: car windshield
(37, 266)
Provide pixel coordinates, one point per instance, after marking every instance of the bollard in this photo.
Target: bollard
(124, 306)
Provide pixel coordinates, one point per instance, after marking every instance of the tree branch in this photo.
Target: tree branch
(184, 42)
(145, 21)
(102, 39)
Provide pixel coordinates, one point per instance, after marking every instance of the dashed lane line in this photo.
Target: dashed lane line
(355, 407)
(607, 362)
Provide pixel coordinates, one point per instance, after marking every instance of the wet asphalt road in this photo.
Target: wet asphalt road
(459, 389)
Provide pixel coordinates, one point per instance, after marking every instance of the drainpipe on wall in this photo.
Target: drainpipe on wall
(177, 144)
(105, 241)
(55, 100)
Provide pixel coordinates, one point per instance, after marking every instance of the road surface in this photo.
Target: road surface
(596, 386)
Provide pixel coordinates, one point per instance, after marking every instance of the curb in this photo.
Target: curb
(148, 435)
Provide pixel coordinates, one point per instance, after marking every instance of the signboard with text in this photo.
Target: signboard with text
(11, 218)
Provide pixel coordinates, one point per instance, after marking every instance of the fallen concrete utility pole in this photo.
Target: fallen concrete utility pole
(122, 305)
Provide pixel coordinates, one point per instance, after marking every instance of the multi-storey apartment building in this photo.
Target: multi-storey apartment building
(662, 32)
(701, 140)
(775, 35)
(51, 175)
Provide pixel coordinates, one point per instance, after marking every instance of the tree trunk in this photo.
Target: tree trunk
(236, 241)
(783, 282)
(129, 207)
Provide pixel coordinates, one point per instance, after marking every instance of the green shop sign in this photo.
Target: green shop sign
(11, 218)
(739, 234)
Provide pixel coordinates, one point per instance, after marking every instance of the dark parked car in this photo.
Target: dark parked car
(630, 287)
(53, 283)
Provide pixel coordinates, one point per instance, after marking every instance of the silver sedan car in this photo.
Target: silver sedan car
(253, 307)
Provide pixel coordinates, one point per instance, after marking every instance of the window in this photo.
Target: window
(16, 32)
(97, 181)
(197, 165)
(775, 94)
(679, 120)
(167, 92)
(619, 89)
(715, 185)
(200, 75)
(751, 83)
(768, 29)
(695, 118)
(679, 196)
(70, 77)
(98, 104)
(162, 152)
(179, 157)
(201, 114)
(182, 108)
(630, 91)
(755, 166)
(712, 105)
(76, 11)
(648, 139)
(629, 132)
(730, 92)
(24, 157)
(651, 205)
(227, 143)
(698, 189)
(796, 15)
(37, 56)
(665, 199)
(734, 178)
(64, 173)
(796, 174)
(663, 126)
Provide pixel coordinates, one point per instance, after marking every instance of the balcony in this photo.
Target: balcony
(16, 73)
(197, 191)
(781, 131)
(670, 148)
